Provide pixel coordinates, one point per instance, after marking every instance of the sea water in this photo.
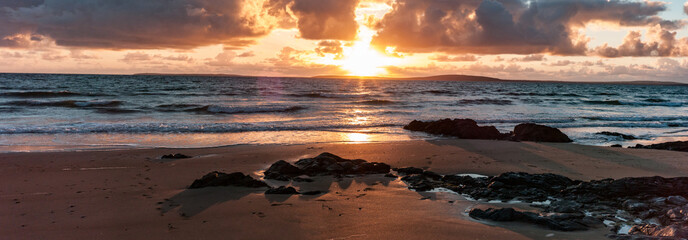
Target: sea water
(57, 112)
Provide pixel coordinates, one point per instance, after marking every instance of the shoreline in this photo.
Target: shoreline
(117, 193)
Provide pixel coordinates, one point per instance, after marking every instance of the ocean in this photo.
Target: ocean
(47, 112)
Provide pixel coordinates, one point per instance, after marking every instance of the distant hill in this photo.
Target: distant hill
(464, 78)
(470, 78)
(455, 77)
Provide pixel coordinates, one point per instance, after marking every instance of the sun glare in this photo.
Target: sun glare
(361, 59)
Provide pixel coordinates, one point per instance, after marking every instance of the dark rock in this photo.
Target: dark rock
(390, 175)
(432, 175)
(673, 146)
(461, 128)
(616, 146)
(282, 170)
(330, 164)
(676, 200)
(174, 156)
(566, 206)
(238, 179)
(674, 231)
(282, 190)
(616, 134)
(300, 179)
(562, 222)
(312, 193)
(539, 133)
(409, 170)
(632, 205)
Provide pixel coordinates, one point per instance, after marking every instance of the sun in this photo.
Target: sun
(361, 59)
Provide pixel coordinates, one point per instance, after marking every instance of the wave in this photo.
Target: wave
(439, 92)
(622, 125)
(518, 121)
(486, 101)
(656, 100)
(646, 103)
(153, 128)
(552, 94)
(65, 103)
(638, 119)
(40, 94)
(215, 109)
(377, 102)
(311, 95)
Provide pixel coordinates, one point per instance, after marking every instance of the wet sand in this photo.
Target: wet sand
(132, 194)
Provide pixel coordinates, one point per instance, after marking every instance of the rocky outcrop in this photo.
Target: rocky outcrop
(616, 134)
(568, 205)
(282, 190)
(559, 222)
(681, 146)
(217, 179)
(469, 129)
(538, 133)
(461, 128)
(324, 164)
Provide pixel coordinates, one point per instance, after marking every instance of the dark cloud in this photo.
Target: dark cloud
(330, 47)
(317, 19)
(130, 24)
(663, 44)
(506, 26)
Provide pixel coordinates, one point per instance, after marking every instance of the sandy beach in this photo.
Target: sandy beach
(133, 194)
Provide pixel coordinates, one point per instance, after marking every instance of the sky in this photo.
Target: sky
(583, 40)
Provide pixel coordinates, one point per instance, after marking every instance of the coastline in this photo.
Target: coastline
(133, 194)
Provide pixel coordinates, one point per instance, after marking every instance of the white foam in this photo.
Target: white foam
(472, 175)
(624, 229)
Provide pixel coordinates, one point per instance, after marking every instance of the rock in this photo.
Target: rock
(461, 128)
(300, 179)
(215, 179)
(174, 156)
(616, 134)
(676, 200)
(330, 164)
(673, 231)
(390, 175)
(432, 175)
(409, 170)
(616, 146)
(282, 170)
(282, 190)
(681, 146)
(539, 133)
(566, 206)
(312, 193)
(632, 205)
(562, 222)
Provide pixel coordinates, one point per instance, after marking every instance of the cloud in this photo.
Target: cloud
(131, 24)
(507, 26)
(663, 43)
(330, 47)
(560, 63)
(247, 54)
(317, 19)
(685, 8)
(225, 58)
(530, 58)
(460, 58)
